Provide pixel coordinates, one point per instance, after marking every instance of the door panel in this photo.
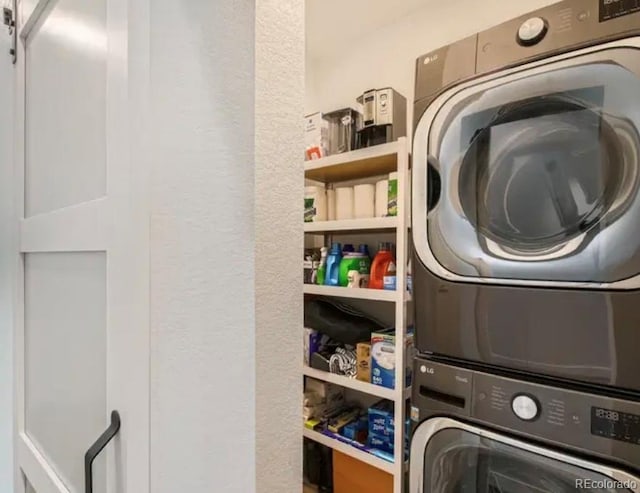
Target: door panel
(65, 358)
(82, 278)
(66, 66)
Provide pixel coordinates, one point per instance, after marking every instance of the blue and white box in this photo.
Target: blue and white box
(379, 416)
(380, 442)
(383, 359)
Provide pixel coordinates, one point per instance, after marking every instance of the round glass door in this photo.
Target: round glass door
(459, 461)
(542, 172)
(536, 176)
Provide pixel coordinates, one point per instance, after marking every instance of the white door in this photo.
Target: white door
(82, 275)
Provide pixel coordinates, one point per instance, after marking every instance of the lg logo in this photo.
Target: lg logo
(427, 370)
(433, 58)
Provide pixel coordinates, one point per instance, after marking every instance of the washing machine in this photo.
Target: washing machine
(476, 432)
(525, 200)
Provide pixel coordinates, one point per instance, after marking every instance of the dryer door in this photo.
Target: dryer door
(451, 457)
(532, 176)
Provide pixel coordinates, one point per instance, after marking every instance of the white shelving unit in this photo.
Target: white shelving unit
(352, 225)
(356, 165)
(353, 293)
(351, 451)
(350, 383)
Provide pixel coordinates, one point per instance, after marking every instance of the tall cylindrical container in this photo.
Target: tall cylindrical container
(344, 203)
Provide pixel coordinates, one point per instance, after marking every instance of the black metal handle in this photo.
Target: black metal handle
(97, 447)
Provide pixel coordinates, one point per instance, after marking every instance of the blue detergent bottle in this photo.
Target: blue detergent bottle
(332, 270)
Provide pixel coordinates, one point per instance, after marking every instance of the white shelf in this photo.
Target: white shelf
(363, 163)
(347, 449)
(350, 383)
(358, 165)
(351, 225)
(353, 293)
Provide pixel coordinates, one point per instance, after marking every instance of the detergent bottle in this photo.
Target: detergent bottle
(322, 269)
(332, 270)
(381, 265)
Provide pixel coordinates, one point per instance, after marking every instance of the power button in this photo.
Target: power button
(532, 31)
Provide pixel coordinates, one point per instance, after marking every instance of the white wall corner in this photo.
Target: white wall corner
(280, 93)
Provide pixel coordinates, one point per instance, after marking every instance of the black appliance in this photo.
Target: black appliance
(526, 196)
(474, 432)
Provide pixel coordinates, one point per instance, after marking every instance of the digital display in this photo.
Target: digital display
(606, 414)
(615, 425)
(612, 9)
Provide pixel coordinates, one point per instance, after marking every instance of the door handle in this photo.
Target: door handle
(97, 447)
(434, 186)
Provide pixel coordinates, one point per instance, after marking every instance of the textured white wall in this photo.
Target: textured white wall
(387, 56)
(279, 239)
(202, 246)
(227, 89)
(6, 261)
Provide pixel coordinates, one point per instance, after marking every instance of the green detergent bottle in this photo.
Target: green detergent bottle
(353, 261)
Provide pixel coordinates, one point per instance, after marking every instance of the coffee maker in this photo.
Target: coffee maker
(384, 117)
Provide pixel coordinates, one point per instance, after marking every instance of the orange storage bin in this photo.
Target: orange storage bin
(353, 476)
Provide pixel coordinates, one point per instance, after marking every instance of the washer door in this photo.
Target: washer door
(451, 457)
(532, 176)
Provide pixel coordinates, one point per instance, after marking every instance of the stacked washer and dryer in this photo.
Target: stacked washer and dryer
(526, 271)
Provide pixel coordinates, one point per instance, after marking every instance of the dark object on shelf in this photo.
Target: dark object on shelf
(343, 128)
(341, 322)
(318, 465)
(311, 264)
(320, 362)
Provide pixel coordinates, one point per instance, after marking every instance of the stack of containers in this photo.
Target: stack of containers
(381, 436)
(381, 431)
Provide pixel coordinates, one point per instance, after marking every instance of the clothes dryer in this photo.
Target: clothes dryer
(526, 195)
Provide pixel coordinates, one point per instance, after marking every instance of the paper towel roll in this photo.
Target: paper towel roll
(382, 198)
(363, 201)
(344, 203)
(315, 204)
(331, 205)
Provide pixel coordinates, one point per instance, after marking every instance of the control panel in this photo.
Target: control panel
(596, 424)
(554, 29)
(616, 425)
(613, 9)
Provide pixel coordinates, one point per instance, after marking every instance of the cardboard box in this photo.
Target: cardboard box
(323, 397)
(316, 134)
(380, 429)
(363, 354)
(356, 430)
(380, 442)
(353, 476)
(383, 359)
(337, 423)
(380, 414)
(311, 344)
